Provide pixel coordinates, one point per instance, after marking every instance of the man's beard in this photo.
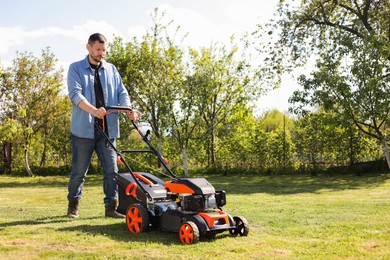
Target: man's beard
(97, 59)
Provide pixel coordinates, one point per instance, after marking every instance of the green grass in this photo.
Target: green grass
(290, 217)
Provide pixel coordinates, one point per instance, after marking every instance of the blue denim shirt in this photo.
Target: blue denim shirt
(81, 86)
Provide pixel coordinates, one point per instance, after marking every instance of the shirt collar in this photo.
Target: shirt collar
(86, 63)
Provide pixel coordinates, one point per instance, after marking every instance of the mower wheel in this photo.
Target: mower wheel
(189, 233)
(137, 218)
(242, 227)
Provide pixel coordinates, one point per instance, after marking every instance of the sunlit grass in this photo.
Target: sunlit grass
(301, 217)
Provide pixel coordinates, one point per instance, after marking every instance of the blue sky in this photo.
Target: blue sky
(65, 25)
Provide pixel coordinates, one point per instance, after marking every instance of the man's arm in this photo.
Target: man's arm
(89, 108)
(74, 89)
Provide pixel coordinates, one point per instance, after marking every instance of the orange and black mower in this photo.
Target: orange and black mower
(190, 207)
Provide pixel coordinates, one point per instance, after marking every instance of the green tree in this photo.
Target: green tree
(55, 135)
(179, 97)
(8, 135)
(235, 138)
(351, 41)
(32, 87)
(8, 127)
(185, 116)
(226, 81)
(274, 119)
(153, 71)
(279, 146)
(324, 139)
(143, 70)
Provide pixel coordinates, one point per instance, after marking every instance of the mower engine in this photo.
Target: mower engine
(194, 194)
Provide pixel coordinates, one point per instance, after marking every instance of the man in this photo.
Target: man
(94, 84)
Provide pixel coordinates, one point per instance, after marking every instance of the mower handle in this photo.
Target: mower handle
(144, 137)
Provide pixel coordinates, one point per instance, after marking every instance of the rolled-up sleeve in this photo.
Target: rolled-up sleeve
(123, 95)
(74, 85)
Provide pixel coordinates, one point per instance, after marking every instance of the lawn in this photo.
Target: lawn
(290, 217)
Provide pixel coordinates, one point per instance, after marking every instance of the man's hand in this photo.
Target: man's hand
(87, 107)
(133, 114)
(99, 112)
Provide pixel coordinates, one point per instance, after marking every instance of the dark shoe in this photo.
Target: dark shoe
(111, 210)
(73, 209)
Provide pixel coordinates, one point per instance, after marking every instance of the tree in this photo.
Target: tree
(177, 96)
(185, 117)
(324, 139)
(8, 127)
(351, 41)
(236, 141)
(153, 71)
(278, 127)
(55, 135)
(32, 88)
(226, 81)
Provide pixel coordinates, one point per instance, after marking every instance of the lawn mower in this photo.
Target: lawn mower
(189, 206)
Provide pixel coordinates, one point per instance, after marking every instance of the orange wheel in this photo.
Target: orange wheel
(137, 218)
(189, 233)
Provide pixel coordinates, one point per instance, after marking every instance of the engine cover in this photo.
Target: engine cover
(193, 186)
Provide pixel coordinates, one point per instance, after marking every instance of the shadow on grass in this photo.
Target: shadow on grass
(40, 221)
(119, 232)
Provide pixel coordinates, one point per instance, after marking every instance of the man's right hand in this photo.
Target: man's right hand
(99, 112)
(96, 112)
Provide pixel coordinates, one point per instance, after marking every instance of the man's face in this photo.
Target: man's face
(97, 52)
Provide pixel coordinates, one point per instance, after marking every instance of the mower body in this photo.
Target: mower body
(171, 204)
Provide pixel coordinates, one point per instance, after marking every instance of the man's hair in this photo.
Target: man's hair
(96, 37)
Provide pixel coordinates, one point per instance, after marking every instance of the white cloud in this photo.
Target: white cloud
(248, 14)
(135, 31)
(236, 18)
(82, 32)
(201, 30)
(11, 36)
(18, 36)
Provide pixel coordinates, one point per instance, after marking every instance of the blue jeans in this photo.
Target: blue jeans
(82, 150)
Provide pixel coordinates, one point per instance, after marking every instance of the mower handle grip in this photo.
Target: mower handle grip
(119, 108)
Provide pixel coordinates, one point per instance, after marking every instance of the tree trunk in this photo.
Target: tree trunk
(212, 148)
(185, 162)
(43, 157)
(29, 172)
(7, 150)
(386, 150)
(351, 149)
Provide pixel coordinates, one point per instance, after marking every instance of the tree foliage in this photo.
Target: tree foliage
(153, 72)
(31, 87)
(351, 41)
(324, 140)
(181, 92)
(198, 100)
(226, 81)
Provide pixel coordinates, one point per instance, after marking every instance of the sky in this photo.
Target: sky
(65, 25)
